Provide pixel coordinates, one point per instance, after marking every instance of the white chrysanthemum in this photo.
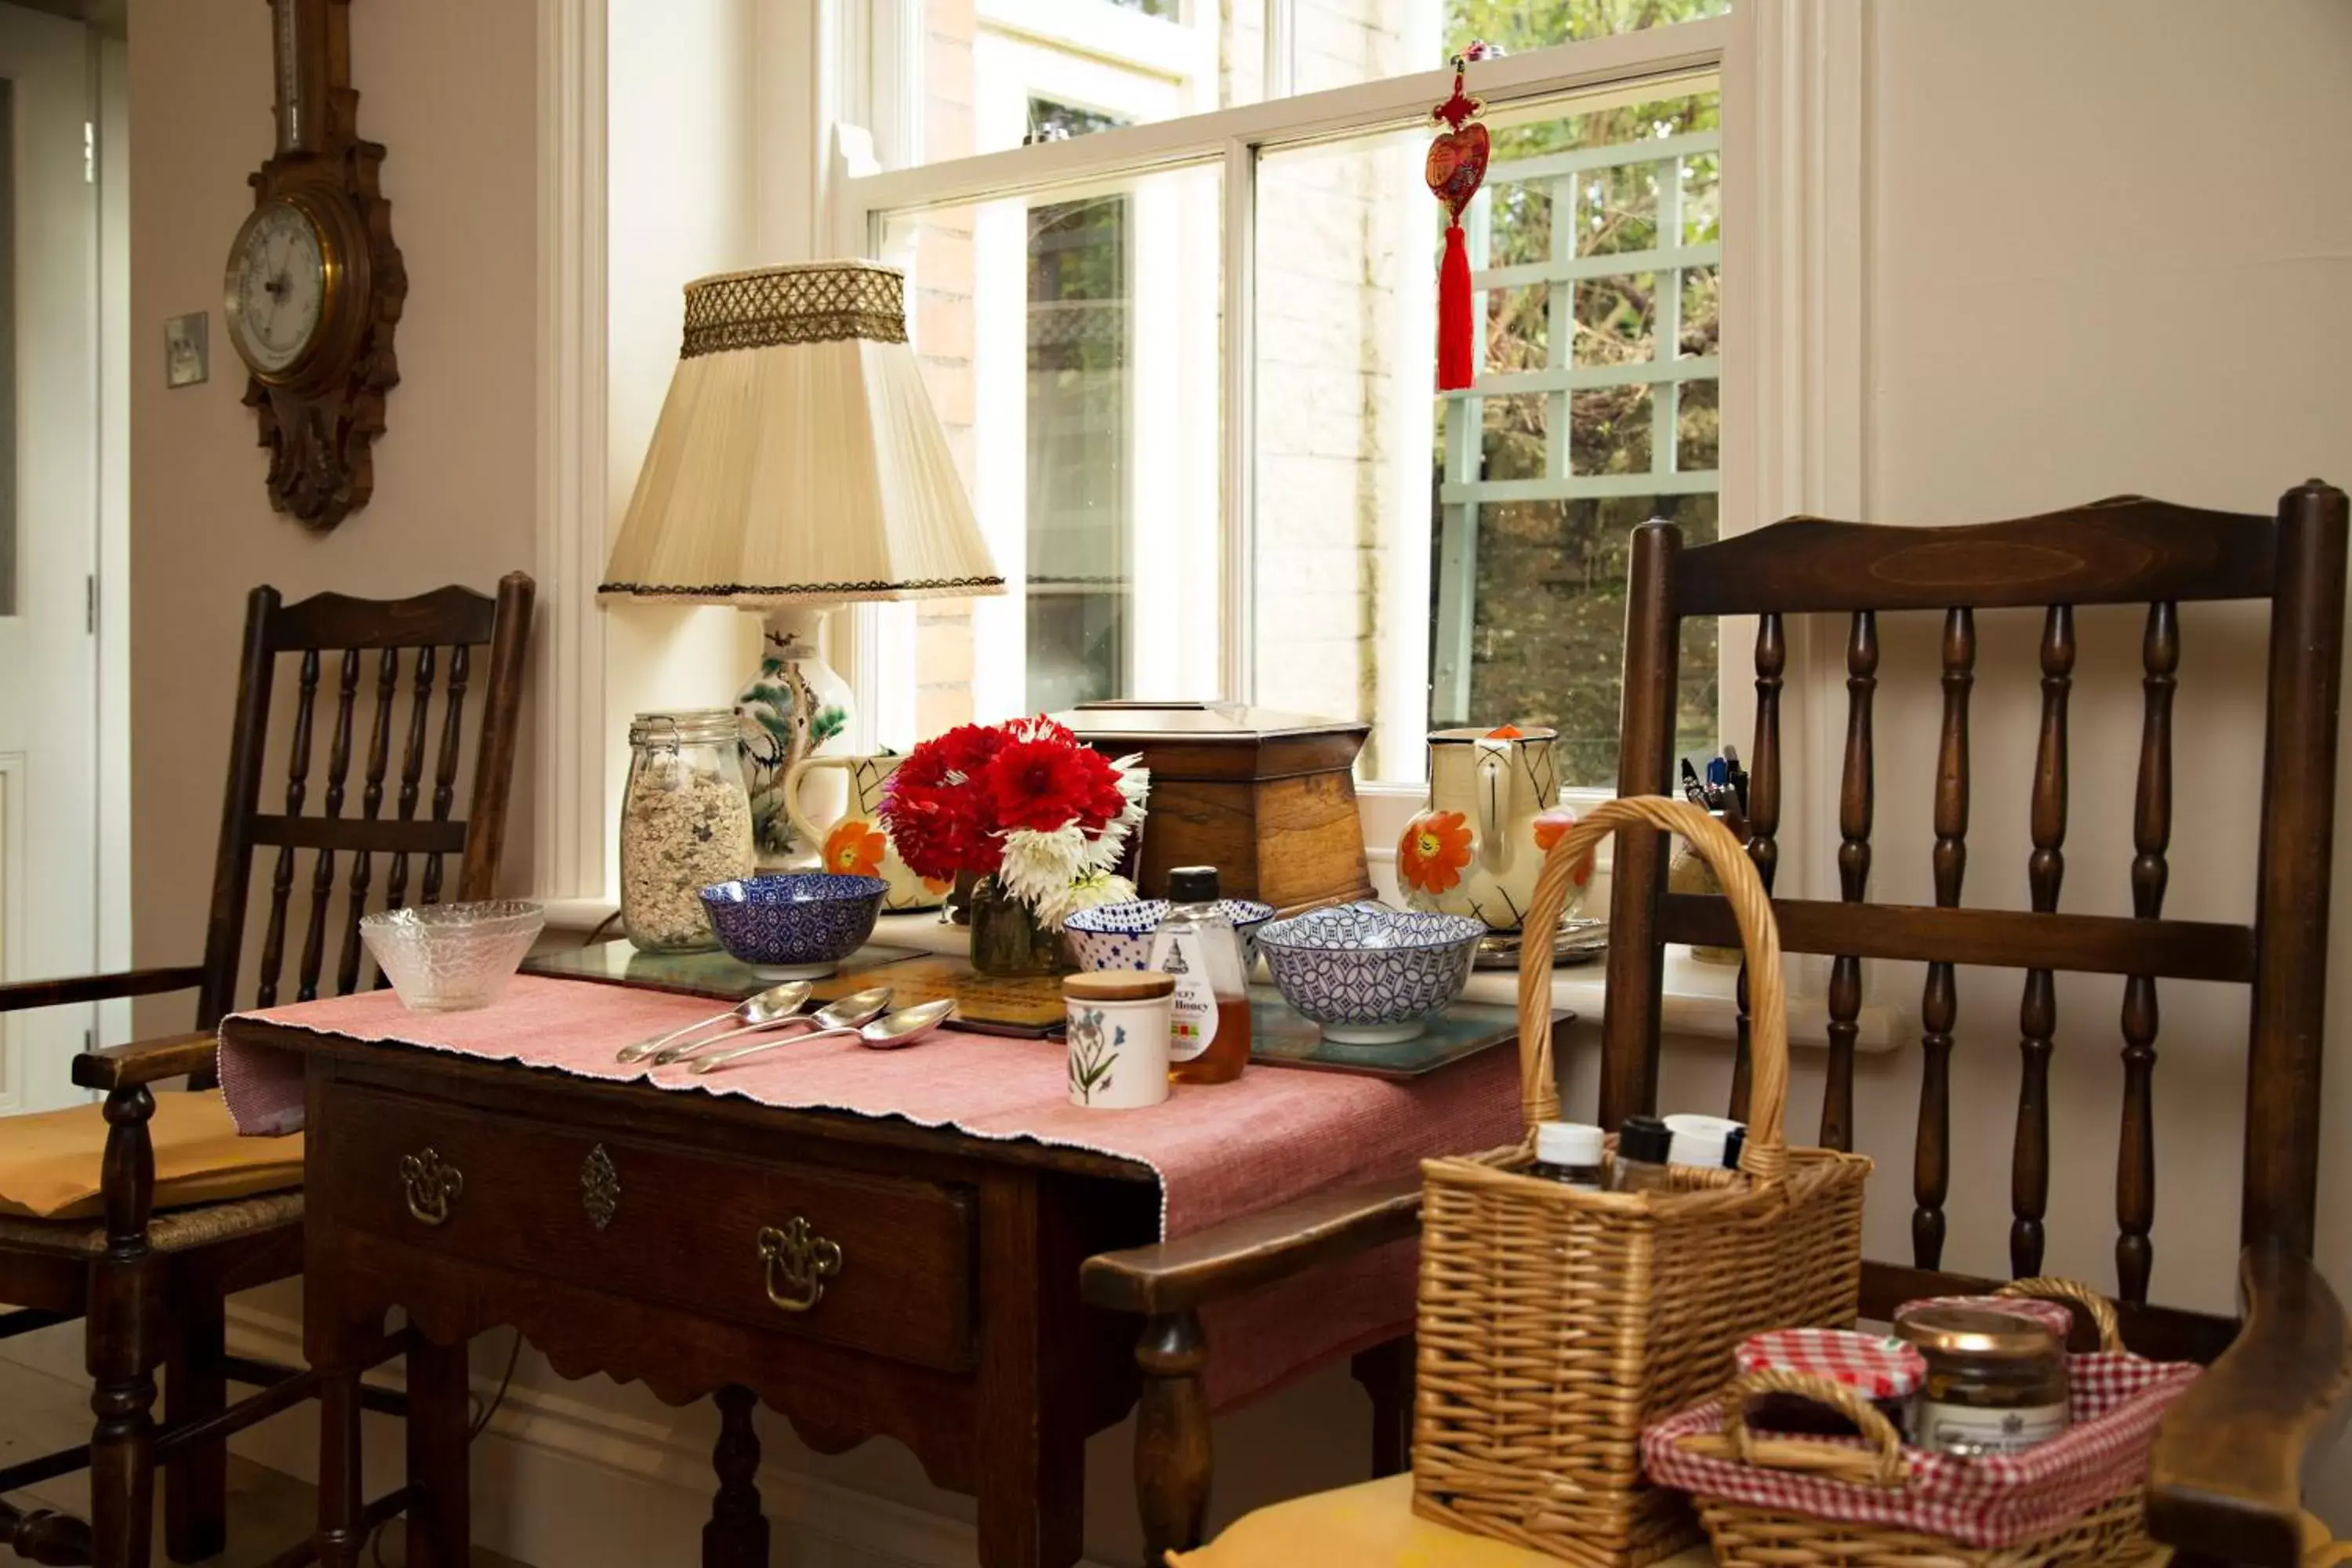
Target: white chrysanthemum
(1056, 874)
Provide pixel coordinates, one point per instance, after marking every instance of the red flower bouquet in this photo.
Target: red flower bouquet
(1025, 803)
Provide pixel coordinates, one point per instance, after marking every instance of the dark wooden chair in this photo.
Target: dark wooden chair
(2225, 1481)
(153, 1283)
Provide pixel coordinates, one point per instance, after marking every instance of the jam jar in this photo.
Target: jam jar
(1996, 1380)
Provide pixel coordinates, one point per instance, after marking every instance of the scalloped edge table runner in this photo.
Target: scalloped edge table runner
(1219, 1152)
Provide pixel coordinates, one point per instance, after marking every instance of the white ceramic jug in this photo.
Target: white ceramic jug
(856, 843)
(1493, 811)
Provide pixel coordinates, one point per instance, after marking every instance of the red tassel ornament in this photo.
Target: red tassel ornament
(1456, 168)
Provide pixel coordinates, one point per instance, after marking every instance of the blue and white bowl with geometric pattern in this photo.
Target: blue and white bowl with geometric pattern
(798, 925)
(1369, 974)
(1118, 936)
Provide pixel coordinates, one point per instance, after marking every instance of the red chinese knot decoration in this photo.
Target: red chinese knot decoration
(1456, 168)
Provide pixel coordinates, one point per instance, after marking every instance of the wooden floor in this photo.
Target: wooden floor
(267, 1511)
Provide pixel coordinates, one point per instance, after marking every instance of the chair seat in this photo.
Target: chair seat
(1367, 1526)
(49, 1163)
(177, 1230)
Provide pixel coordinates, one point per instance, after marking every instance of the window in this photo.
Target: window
(1182, 331)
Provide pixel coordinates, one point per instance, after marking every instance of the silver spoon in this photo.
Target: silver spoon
(902, 1028)
(765, 1007)
(847, 1013)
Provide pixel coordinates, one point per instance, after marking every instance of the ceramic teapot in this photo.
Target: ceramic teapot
(854, 843)
(1493, 812)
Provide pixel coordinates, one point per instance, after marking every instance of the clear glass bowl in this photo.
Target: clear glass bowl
(446, 958)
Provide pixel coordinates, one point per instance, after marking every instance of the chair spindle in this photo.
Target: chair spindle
(1857, 801)
(387, 692)
(445, 767)
(1939, 1002)
(281, 881)
(1763, 817)
(2037, 1016)
(2151, 835)
(412, 770)
(322, 868)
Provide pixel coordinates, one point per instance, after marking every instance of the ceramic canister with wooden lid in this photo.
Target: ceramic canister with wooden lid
(1119, 1021)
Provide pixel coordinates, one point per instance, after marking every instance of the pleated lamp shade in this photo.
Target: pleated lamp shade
(798, 459)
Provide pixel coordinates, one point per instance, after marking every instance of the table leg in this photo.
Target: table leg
(1032, 1396)
(342, 1534)
(737, 1535)
(1173, 1461)
(440, 1518)
(1386, 1372)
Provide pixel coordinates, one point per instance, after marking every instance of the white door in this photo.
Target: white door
(48, 537)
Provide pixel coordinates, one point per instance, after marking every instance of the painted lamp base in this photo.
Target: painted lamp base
(795, 707)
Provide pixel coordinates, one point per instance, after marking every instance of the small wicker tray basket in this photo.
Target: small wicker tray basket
(1555, 1325)
(2074, 1501)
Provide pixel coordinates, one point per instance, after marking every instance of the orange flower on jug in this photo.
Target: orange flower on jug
(1435, 849)
(1551, 827)
(855, 848)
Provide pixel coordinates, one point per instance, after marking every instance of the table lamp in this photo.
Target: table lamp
(798, 464)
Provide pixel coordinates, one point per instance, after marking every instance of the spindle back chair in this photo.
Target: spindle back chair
(155, 1292)
(2126, 550)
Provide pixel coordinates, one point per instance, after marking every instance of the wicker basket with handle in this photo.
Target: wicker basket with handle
(1554, 1324)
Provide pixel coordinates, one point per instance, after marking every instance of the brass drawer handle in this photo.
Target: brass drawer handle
(430, 1184)
(799, 1262)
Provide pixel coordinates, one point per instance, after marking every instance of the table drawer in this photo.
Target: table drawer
(879, 1263)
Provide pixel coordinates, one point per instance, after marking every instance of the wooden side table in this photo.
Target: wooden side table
(866, 1279)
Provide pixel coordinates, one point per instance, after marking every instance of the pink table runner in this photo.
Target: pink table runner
(1220, 1151)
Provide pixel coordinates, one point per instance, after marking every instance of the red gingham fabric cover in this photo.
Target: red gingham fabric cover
(1868, 1363)
(2055, 1316)
(2000, 1501)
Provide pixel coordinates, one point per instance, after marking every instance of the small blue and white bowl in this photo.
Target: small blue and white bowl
(1369, 974)
(798, 925)
(1118, 936)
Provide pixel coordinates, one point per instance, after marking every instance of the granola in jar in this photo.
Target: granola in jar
(686, 824)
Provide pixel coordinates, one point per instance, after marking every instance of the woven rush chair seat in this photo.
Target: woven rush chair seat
(180, 1230)
(1371, 1525)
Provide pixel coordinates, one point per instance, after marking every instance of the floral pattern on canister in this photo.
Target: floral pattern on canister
(1435, 849)
(1091, 1056)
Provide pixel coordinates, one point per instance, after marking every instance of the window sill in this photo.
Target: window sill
(1697, 1001)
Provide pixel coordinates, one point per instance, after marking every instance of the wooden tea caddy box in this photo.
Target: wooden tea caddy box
(1267, 798)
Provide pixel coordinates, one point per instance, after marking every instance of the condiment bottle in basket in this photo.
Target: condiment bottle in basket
(1209, 1037)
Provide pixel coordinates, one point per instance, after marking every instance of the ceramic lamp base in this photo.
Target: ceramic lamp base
(795, 707)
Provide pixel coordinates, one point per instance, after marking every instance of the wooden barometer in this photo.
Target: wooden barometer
(314, 283)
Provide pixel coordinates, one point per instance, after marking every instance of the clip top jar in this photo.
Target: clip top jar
(1996, 1380)
(686, 824)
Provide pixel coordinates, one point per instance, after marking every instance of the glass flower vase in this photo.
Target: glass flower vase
(1006, 938)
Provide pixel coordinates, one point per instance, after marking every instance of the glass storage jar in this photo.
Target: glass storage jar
(686, 824)
(1996, 1380)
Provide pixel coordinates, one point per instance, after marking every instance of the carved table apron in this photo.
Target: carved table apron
(864, 1277)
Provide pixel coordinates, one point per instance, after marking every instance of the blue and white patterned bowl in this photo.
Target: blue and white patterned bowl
(798, 925)
(1369, 974)
(1118, 936)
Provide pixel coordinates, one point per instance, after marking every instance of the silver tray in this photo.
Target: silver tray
(1579, 940)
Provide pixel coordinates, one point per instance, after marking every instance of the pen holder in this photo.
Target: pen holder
(1688, 872)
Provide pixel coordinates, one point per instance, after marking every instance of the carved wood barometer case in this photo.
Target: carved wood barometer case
(314, 283)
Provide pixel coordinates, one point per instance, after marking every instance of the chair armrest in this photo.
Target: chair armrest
(1243, 1254)
(144, 1062)
(21, 995)
(2226, 1480)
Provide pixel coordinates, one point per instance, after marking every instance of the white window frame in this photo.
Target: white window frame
(1794, 118)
